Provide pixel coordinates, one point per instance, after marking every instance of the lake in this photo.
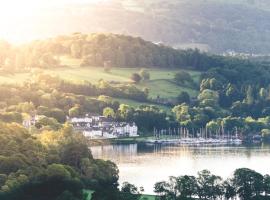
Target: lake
(144, 165)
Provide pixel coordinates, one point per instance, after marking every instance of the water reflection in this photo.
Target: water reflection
(143, 165)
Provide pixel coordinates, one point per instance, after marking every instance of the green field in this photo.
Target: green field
(160, 83)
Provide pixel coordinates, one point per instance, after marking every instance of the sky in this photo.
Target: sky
(19, 18)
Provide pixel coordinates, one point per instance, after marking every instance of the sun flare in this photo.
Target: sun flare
(20, 20)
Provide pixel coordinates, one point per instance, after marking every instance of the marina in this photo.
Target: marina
(204, 136)
(195, 141)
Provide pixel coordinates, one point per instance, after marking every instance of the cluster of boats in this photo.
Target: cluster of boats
(195, 141)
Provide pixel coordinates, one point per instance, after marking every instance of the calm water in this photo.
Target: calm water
(144, 165)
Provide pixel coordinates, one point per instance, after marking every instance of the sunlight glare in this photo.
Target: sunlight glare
(18, 18)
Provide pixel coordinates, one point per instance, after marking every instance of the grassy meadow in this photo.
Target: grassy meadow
(160, 84)
(161, 81)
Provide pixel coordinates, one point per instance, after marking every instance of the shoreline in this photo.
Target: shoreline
(177, 141)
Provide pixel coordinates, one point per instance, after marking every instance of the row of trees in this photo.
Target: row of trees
(106, 50)
(246, 184)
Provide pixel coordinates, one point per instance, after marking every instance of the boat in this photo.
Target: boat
(193, 141)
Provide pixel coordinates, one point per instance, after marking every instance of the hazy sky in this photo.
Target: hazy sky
(19, 19)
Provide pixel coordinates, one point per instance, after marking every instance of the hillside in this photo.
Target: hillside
(213, 25)
(161, 83)
(107, 62)
(104, 50)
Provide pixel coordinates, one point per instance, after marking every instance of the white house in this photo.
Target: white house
(125, 129)
(100, 126)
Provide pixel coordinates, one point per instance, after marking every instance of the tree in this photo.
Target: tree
(248, 183)
(125, 112)
(73, 151)
(145, 74)
(232, 93)
(129, 192)
(183, 77)
(249, 95)
(229, 189)
(183, 97)
(186, 186)
(48, 122)
(161, 188)
(263, 93)
(208, 98)
(167, 190)
(209, 186)
(211, 84)
(266, 184)
(74, 112)
(135, 77)
(213, 126)
(58, 171)
(109, 112)
(58, 114)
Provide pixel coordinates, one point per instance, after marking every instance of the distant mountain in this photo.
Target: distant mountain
(213, 25)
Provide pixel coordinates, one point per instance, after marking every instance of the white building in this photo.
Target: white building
(102, 127)
(125, 129)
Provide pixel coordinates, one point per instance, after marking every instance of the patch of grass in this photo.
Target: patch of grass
(165, 88)
(79, 74)
(148, 197)
(160, 84)
(14, 78)
(88, 193)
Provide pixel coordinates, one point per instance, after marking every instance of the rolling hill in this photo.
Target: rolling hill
(212, 25)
